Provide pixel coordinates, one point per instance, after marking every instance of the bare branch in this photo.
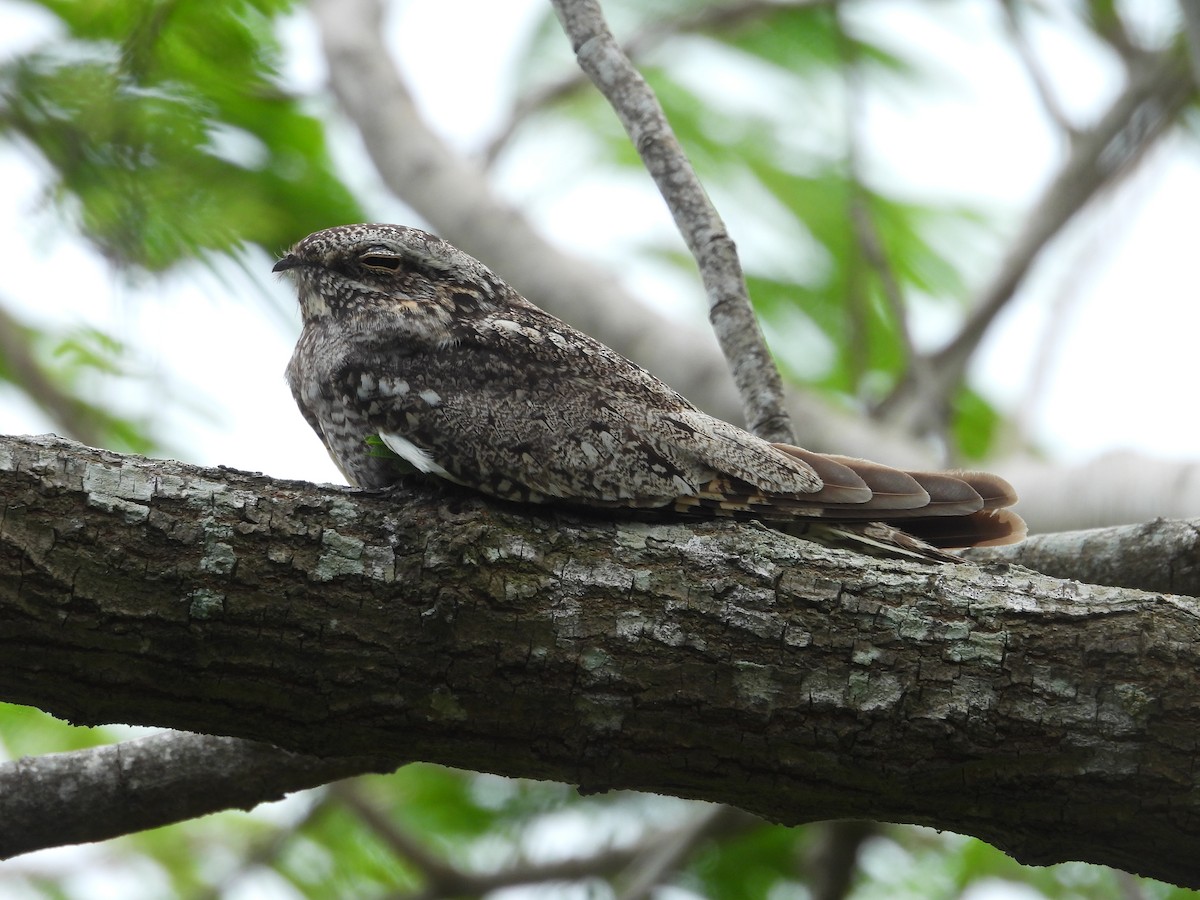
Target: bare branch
(732, 316)
(443, 878)
(1154, 96)
(866, 233)
(1072, 286)
(833, 858)
(265, 851)
(664, 856)
(1163, 555)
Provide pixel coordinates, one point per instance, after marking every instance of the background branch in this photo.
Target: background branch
(1033, 68)
(1191, 21)
(102, 792)
(721, 18)
(1163, 555)
(72, 415)
(1155, 94)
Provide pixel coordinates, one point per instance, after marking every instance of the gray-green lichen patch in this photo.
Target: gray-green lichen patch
(638, 536)
(342, 511)
(598, 665)
(132, 512)
(279, 554)
(343, 545)
(117, 483)
(760, 623)
(822, 690)
(956, 700)
(218, 559)
(630, 625)
(205, 604)
(343, 556)
(379, 563)
(979, 647)
(601, 712)
(870, 690)
(1124, 708)
(865, 654)
(757, 685)
(514, 547)
(446, 705)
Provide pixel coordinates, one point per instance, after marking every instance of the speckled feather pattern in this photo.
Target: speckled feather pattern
(408, 339)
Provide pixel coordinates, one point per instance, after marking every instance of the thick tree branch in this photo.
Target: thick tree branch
(642, 116)
(717, 661)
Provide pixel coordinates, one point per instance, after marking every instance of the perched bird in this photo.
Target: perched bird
(410, 343)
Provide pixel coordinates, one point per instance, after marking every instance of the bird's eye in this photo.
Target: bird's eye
(381, 262)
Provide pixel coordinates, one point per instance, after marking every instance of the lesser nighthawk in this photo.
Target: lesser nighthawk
(410, 342)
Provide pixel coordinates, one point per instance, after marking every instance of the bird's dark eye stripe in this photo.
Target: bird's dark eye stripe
(376, 261)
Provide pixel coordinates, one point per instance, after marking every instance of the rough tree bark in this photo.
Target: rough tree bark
(720, 661)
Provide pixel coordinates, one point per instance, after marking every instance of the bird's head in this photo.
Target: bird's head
(355, 271)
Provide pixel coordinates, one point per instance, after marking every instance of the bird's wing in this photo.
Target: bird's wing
(559, 416)
(562, 417)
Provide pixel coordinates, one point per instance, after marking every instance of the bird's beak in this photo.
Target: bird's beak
(290, 261)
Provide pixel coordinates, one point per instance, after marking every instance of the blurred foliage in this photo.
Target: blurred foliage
(168, 137)
(167, 133)
(63, 372)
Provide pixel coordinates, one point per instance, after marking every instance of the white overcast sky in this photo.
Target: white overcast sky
(1121, 376)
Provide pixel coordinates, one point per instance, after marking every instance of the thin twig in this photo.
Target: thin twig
(443, 879)
(719, 18)
(439, 874)
(265, 852)
(1076, 276)
(666, 855)
(732, 317)
(866, 231)
(1191, 26)
(655, 856)
(1033, 68)
(104, 792)
(832, 860)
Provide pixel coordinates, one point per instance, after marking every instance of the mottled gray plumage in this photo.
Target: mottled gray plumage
(409, 340)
